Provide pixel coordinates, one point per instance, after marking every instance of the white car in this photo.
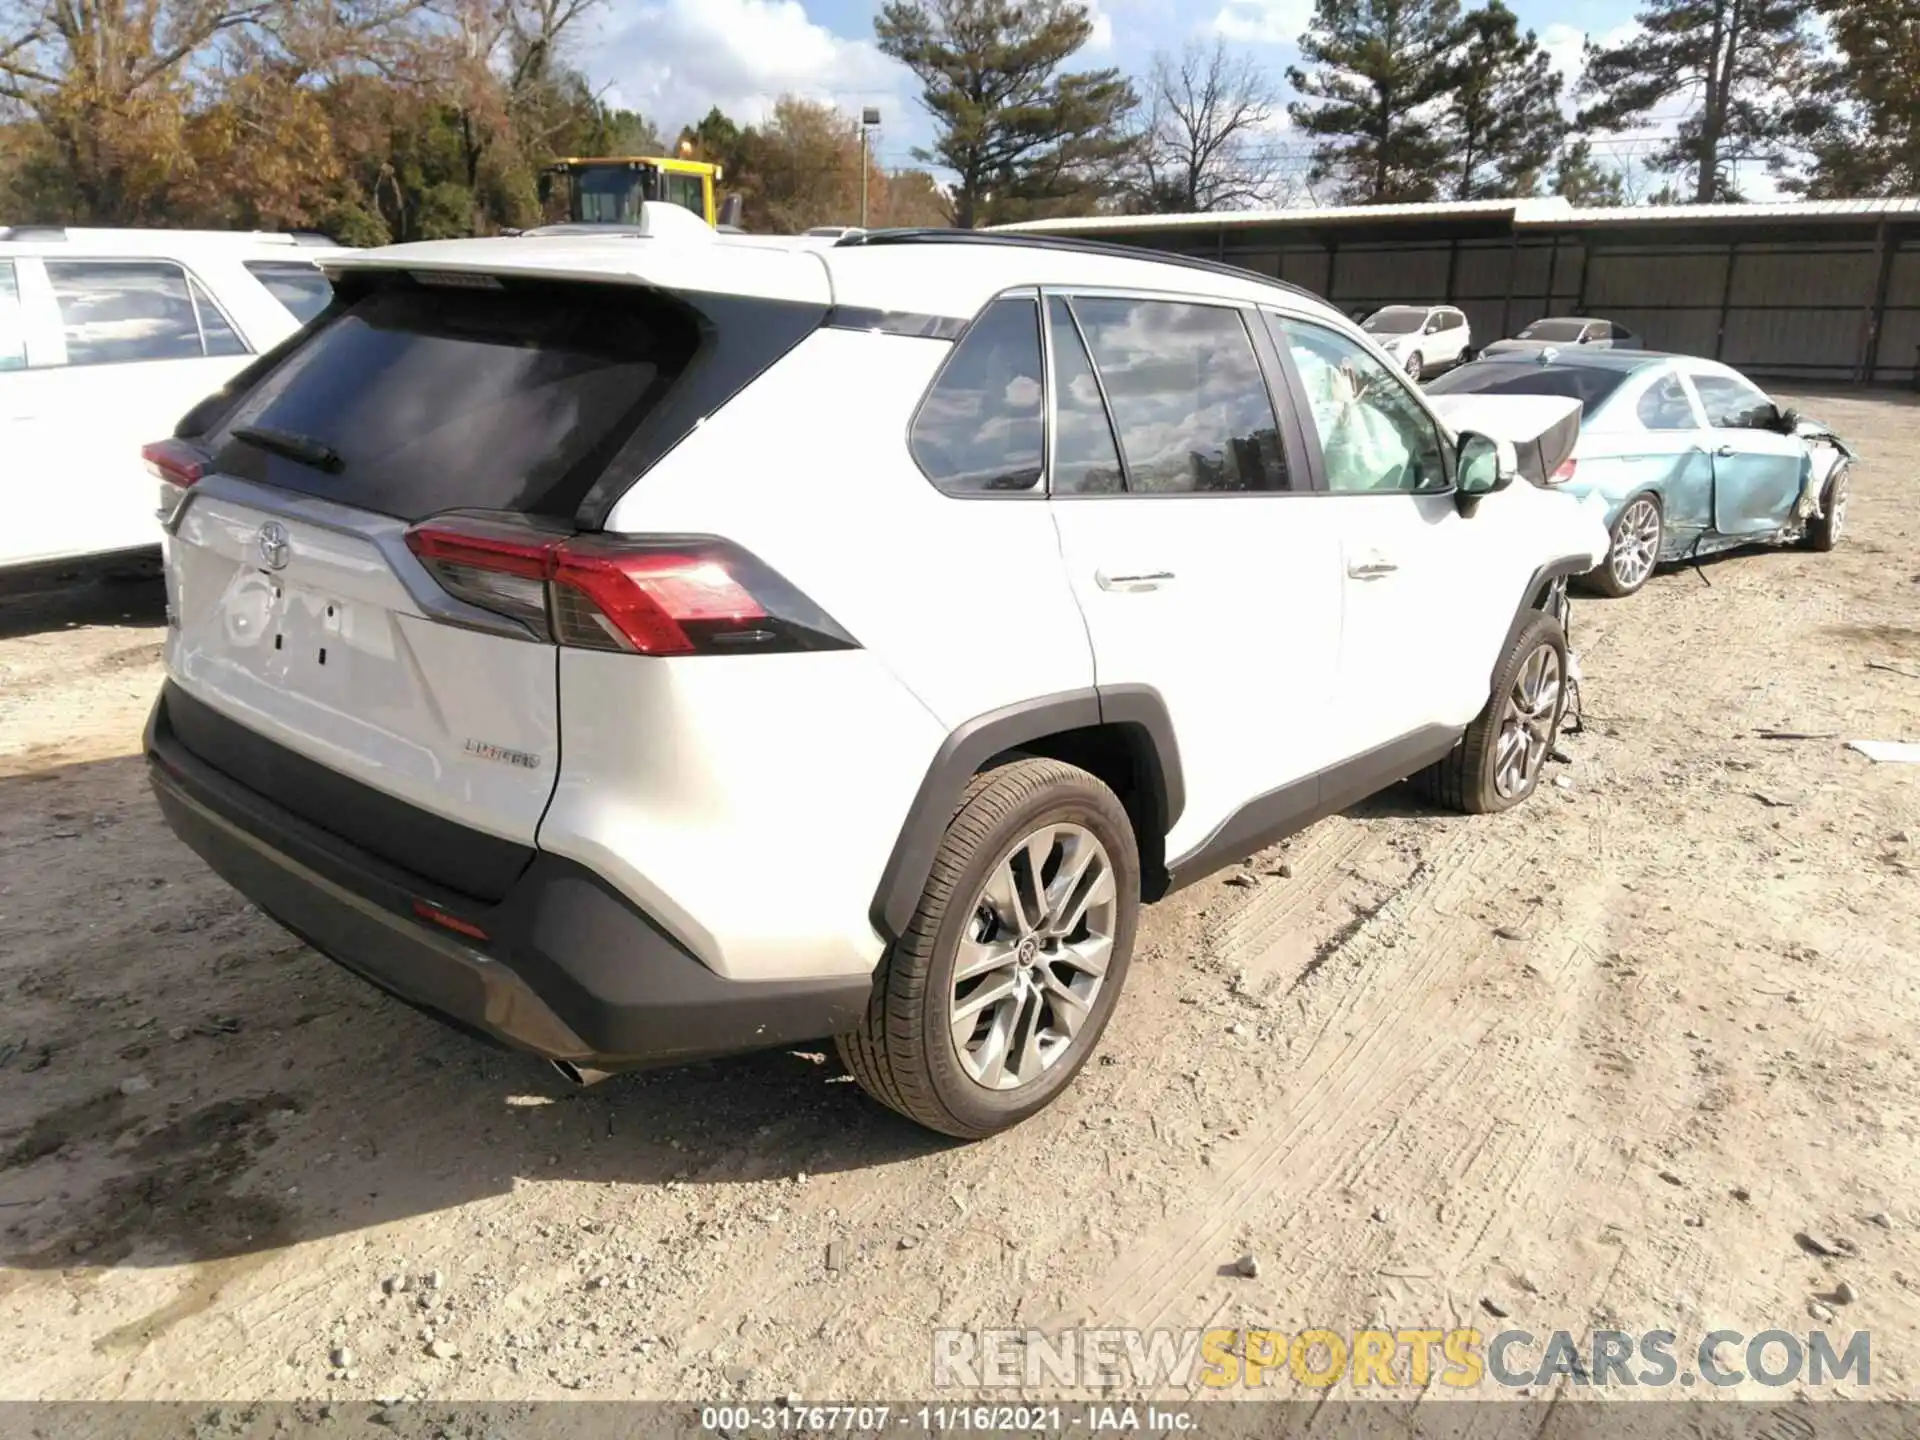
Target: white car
(645, 649)
(1423, 338)
(107, 337)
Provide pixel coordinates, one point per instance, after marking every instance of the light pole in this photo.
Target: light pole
(869, 117)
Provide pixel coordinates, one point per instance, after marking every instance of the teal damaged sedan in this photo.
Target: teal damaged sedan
(1689, 456)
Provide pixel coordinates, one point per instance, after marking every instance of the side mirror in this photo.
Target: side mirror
(1786, 419)
(730, 209)
(1481, 466)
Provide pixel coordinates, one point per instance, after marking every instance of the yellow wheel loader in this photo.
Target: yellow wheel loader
(611, 189)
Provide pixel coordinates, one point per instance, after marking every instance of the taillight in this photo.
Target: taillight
(177, 465)
(668, 596)
(1564, 473)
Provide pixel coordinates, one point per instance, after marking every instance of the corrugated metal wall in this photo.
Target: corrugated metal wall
(1807, 307)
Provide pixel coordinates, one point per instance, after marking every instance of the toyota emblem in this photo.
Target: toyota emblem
(275, 545)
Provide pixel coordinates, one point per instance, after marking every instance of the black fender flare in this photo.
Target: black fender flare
(1135, 708)
(1563, 568)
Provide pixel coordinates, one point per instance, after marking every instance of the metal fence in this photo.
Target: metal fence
(1838, 302)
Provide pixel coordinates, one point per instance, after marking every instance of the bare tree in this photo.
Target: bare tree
(1205, 144)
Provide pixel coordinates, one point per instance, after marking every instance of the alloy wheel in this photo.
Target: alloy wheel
(1033, 957)
(1527, 723)
(1636, 543)
(1415, 365)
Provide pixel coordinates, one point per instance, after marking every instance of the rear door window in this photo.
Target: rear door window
(1086, 460)
(980, 429)
(1187, 393)
(416, 399)
(13, 330)
(115, 312)
(1665, 406)
(302, 289)
(217, 335)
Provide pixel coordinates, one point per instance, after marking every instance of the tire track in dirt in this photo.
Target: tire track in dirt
(1374, 1039)
(1319, 859)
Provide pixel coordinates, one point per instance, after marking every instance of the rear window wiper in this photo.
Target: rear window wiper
(304, 448)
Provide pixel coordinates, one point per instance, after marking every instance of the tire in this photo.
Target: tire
(1416, 366)
(1607, 576)
(905, 1054)
(1470, 777)
(1823, 530)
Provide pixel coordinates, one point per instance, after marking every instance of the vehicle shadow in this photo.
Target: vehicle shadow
(75, 602)
(182, 1079)
(1398, 802)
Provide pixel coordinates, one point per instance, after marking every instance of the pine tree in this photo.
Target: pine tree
(1745, 62)
(1007, 119)
(1503, 119)
(1583, 180)
(1863, 133)
(1378, 67)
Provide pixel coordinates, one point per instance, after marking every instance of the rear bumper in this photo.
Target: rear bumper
(568, 969)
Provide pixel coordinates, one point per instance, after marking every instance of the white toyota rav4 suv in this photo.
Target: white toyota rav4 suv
(640, 649)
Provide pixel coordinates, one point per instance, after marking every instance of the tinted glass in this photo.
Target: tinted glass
(435, 399)
(1567, 330)
(1730, 403)
(1085, 461)
(13, 335)
(113, 312)
(302, 288)
(1396, 320)
(980, 427)
(1188, 397)
(216, 335)
(607, 195)
(686, 191)
(1590, 387)
(1665, 406)
(1374, 436)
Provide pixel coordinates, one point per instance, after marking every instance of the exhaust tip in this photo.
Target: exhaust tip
(579, 1074)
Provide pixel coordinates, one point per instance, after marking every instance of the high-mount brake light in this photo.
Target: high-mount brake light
(693, 595)
(178, 465)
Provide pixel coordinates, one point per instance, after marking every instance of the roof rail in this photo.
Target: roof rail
(33, 232)
(931, 236)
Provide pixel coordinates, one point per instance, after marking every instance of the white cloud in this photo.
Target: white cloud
(1102, 37)
(676, 59)
(1565, 45)
(1264, 22)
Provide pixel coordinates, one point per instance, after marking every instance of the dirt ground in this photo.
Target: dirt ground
(1629, 1056)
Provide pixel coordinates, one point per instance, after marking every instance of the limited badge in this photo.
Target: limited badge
(485, 750)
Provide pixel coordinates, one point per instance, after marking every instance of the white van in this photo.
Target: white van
(107, 338)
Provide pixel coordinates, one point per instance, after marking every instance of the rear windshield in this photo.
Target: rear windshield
(1395, 320)
(1553, 330)
(1589, 386)
(416, 399)
(296, 284)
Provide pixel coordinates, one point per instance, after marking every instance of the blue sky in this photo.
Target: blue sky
(673, 59)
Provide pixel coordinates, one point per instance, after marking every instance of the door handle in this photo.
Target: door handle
(1370, 567)
(1128, 584)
